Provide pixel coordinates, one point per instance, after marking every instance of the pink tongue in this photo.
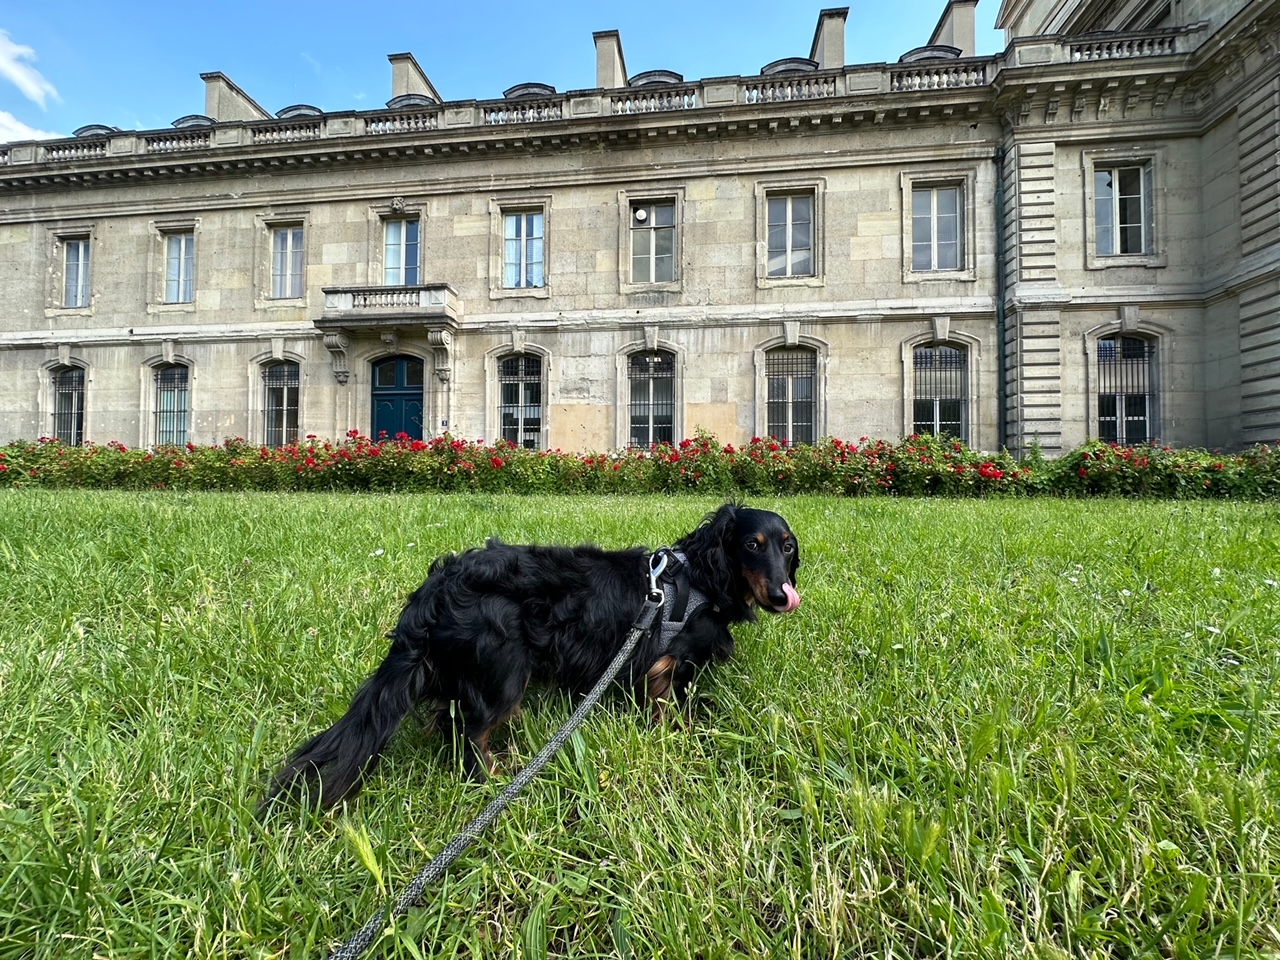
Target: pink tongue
(793, 598)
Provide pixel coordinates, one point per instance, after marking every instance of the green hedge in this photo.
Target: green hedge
(914, 466)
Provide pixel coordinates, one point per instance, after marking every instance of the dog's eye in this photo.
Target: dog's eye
(788, 547)
(752, 545)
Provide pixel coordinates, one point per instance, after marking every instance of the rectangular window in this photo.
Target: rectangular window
(522, 238)
(172, 405)
(653, 242)
(75, 275)
(280, 382)
(179, 266)
(1123, 213)
(1126, 390)
(790, 239)
(68, 405)
(941, 392)
(791, 374)
(652, 377)
(286, 262)
(936, 228)
(400, 253)
(520, 400)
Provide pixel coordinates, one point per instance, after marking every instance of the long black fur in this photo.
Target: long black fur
(488, 622)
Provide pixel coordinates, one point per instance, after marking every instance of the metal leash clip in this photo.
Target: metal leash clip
(657, 564)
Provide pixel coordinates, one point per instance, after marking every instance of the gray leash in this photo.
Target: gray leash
(360, 940)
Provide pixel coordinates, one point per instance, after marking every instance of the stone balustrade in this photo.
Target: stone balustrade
(373, 303)
(655, 99)
(946, 76)
(884, 80)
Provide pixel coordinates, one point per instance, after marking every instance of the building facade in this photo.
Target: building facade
(1079, 237)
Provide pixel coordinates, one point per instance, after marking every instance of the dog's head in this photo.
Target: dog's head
(747, 559)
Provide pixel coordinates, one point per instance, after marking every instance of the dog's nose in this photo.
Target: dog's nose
(784, 598)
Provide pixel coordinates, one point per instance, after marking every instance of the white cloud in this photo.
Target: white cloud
(12, 130)
(25, 77)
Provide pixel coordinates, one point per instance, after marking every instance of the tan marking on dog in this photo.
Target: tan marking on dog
(759, 584)
(657, 686)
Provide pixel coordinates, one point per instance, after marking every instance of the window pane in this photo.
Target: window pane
(413, 373)
(664, 269)
(801, 209)
(664, 215)
(384, 374)
(948, 201)
(921, 204)
(777, 213)
(664, 242)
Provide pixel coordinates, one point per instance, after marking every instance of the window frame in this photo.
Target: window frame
(650, 404)
(1153, 375)
(58, 237)
(158, 437)
(264, 281)
(83, 294)
(821, 352)
(500, 209)
(1152, 160)
(522, 431)
(966, 398)
(404, 220)
(964, 178)
(78, 414)
(765, 190)
(269, 409)
(187, 260)
(628, 201)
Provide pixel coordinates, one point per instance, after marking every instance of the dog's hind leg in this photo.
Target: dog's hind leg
(480, 712)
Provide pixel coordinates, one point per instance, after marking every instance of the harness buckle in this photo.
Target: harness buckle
(657, 565)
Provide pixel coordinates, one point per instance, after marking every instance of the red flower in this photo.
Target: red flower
(1083, 472)
(496, 462)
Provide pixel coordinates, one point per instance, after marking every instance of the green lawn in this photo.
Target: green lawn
(995, 728)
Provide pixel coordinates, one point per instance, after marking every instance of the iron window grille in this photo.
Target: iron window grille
(179, 259)
(1126, 390)
(790, 240)
(941, 391)
(68, 405)
(520, 400)
(791, 374)
(280, 383)
(652, 409)
(172, 404)
(400, 253)
(653, 243)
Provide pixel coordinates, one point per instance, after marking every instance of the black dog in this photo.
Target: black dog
(489, 621)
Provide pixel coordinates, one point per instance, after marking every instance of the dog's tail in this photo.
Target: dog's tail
(330, 765)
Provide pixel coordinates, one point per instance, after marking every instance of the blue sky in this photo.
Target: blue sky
(137, 65)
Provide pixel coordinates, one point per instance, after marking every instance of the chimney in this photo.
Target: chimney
(828, 39)
(407, 77)
(223, 100)
(956, 28)
(611, 68)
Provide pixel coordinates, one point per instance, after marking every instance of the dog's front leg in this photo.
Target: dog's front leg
(658, 690)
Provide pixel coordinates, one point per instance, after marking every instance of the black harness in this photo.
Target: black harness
(680, 599)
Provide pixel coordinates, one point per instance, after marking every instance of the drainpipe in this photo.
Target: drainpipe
(1002, 415)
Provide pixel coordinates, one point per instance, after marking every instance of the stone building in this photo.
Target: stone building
(1079, 237)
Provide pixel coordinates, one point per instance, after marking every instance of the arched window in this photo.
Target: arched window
(651, 374)
(280, 383)
(1127, 389)
(68, 404)
(172, 403)
(940, 390)
(791, 378)
(520, 399)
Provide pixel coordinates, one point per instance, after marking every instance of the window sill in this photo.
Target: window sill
(1149, 261)
(671, 286)
(935, 276)
(507, 293)
(766, 283)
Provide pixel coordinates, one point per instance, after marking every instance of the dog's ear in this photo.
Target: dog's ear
(710, 547)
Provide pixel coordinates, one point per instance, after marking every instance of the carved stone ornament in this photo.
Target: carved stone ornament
(397, 204)
(337, 343)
